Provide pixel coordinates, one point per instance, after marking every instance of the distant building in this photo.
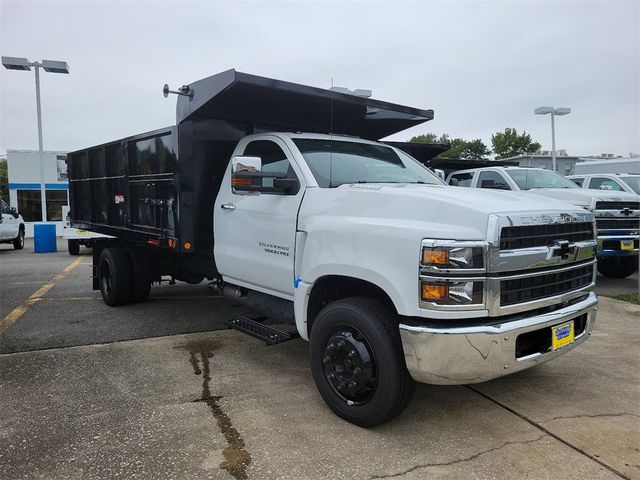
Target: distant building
(565, 164)
(24, 186)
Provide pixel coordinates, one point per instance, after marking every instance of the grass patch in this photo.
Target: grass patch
(628, 297)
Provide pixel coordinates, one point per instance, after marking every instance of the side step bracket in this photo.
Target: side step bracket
(268, 335)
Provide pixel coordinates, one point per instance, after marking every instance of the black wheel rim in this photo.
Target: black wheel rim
(349, 365)
(105, 278)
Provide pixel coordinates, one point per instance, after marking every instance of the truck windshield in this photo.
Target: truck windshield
(529, 178)
(336, 162)
(633, 182)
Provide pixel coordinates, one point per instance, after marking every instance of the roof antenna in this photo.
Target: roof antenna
(331, 140)
(183, 90)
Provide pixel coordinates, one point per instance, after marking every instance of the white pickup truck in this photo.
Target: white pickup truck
(11, 226)
(617, 213)
(391, 275)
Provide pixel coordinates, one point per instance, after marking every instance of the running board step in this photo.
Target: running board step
(268, 335)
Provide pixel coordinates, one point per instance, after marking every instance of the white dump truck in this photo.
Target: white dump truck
(281, 195)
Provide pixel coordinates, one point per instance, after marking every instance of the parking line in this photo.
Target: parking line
(36, 296)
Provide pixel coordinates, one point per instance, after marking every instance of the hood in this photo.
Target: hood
(583, 196)
(444, 211)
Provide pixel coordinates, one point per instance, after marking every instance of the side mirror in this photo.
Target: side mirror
(247, 176)
(14, 212)
(453, 182)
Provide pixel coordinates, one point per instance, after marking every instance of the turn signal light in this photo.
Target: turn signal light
(434, 292)
(238, 181)
(435, 256)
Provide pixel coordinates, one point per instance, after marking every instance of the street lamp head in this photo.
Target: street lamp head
(543, 110)
(16, 63)
(55, 66)
(562, 111)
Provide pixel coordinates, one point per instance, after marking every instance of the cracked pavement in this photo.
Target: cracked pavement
(99, 398)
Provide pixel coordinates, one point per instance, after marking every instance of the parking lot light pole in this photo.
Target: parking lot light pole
(51, 66)
(553, 111)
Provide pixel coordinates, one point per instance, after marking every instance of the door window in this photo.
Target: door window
(274, 160)
(464, 179)
(4, 207)
(577, 181)
(491, 179)
(601, 183)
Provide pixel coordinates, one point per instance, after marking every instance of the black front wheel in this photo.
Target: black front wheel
(73, 246)
(617, 267)
(18, 243)
(114, 273)
(357, 361)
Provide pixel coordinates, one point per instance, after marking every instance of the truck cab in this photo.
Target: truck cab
(617, 182)
(617, 212)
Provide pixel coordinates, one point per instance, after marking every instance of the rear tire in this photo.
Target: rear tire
(114, 275)
(140, 275)
(73, 246)
(617, 267)
(358, 363)
(18, 243)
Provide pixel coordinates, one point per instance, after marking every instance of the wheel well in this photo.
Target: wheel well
(334, 287)
(21, 227)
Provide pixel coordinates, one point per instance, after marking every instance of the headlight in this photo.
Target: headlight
(452, 274)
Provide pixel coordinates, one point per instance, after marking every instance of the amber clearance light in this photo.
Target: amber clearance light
(434, 292)
(435, 256)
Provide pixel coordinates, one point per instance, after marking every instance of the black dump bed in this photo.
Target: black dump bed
(158, 188)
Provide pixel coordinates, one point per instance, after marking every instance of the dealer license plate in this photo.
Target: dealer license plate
(562, 335)
(626, 244)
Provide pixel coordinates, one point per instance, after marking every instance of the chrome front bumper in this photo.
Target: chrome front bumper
(472, 354)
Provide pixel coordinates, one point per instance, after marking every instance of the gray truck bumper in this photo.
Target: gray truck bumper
(472, 354)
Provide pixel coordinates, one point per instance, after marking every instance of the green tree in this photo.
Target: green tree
(511, 144)
(4, 180)
(460, 148)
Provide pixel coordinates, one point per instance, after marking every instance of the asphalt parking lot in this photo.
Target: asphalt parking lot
(163, 390)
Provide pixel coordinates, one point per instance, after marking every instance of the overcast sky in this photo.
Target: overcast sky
(482, 66)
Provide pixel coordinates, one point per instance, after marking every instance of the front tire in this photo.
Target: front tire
(73, 246)
(358, 363)
(114, 274)
(617, 267)
(18, 243)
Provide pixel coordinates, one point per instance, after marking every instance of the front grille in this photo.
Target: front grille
(542, 286)
(617, 205)
(527, 236)
(618, 223)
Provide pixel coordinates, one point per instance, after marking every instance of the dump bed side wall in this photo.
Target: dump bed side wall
(128, 188)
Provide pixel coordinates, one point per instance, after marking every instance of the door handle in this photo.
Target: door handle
(228, 206)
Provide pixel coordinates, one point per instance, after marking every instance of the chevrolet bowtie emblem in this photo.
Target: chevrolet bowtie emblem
(562, 248)
(626, 211)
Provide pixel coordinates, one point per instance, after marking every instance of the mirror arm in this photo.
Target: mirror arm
(244, 174)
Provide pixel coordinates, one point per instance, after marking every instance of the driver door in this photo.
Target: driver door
(255, 232)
